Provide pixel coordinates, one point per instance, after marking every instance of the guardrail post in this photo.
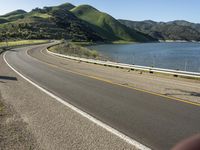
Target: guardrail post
(175, 73)
(186, 63)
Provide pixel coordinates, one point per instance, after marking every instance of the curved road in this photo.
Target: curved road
(154, 121)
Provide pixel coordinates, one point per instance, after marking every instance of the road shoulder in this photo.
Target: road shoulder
(14, 133)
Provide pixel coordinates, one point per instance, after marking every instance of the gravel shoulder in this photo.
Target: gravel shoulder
(14, 133)
(50, 124)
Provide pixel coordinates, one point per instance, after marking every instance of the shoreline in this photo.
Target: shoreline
(151, 70)
(102, 57)
(179, 67)
(177, 41)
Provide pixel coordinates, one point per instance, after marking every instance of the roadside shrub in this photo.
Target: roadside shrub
(74, 50)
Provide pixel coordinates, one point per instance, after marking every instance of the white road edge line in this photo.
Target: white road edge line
(84, 114)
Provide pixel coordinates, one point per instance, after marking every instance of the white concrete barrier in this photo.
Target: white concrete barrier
(133, 67)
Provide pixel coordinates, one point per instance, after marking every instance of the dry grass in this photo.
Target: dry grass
(22, 42)
(75, 50)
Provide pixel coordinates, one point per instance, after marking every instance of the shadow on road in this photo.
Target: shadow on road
(4, 50)
(7, 78)
(182, 92)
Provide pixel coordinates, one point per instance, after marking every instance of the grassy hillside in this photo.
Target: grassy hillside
(22, 42)
(175, 30)
(75, 50)
(48, 23)
(13, 13)
(2, 20)
(67, 6)
(108, 27)
(82, 23)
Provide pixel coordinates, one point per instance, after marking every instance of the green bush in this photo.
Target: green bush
(74, 50)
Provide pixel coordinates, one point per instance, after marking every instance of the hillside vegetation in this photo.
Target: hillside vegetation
(22, 42)
(108, 27)
(66, 21)
(75, 50)
(47, 23)
(14, 13)
(174, 30)
(85, 23)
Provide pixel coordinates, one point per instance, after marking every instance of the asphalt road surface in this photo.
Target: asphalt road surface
(152, 120)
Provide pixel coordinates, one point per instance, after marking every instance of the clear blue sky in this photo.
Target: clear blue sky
(158, 10)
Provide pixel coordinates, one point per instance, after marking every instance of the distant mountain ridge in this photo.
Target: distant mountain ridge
(86, 23)
(173, 30)
(66, 21)
(16, 12)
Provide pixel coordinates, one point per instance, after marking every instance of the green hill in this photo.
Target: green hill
(14, 15)
(16, 12)
(48, 23)
(82, 23)
(2, 20)
(67, 6)
(109, 28)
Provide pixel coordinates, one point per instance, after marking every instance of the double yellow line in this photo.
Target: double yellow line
(125, 86)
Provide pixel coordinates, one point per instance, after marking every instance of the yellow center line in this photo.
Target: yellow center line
(118, 84)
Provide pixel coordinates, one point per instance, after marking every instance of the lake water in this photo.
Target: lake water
(182, 56)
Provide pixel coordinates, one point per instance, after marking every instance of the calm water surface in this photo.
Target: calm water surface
(182, 56)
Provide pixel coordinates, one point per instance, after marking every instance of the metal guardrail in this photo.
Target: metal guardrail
(132, 67)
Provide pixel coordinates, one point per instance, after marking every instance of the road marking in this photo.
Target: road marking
(149, 78)
(165, 81)
(84, 114)
(126, 86)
